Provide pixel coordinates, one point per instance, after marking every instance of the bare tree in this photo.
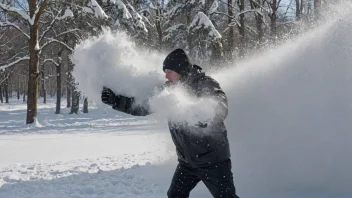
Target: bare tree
(6, 85)
(85, 105)
(258, 5)
(158, 21)
(231, 34)
(317, 9)
(241, 27)
(273, 15)
(298, 10)
(35, 12)
(1, 98)
(75, 101)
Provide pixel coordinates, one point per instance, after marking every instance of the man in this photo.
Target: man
(203, 150)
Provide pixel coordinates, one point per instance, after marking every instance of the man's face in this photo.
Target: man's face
(171, 75)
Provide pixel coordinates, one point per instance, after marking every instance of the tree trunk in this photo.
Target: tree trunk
(44, 90)
(162, 4)
(18, 88)
(58, 89)
(189, 38)
(69, 83)
(58, 83)
(24, 96)
(273, 19)
(43, 84)
(33, 76)
(216, 54)
(317, 9)
(33, 70)
(231, 31)
(85, 105)
(6, 88)
(241, 28)
(2, 100)
(256, 4)
(158, 27)
(9, 85)
(298, 10)
(75, 101)
(68, 95)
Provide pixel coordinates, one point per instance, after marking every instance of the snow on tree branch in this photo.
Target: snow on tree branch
(181, 7)
(261, 6)
(252, 10)
(68, 13)
(201, 21)
(214, 7)
(7, 23)
(137, 19)
(52, 61)
(121, 6)
(171, 31)
(14, 62)
(174, 11)
(68, 31)
(49, 27)
(22, 13)
(51, 40)
(94, 8)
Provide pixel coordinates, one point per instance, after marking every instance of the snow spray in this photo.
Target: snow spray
(290, 110)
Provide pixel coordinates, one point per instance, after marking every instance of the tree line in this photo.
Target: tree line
(37, 37)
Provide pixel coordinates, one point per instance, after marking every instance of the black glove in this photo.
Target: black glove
(108, 96)
(118, 102)
(202, 125)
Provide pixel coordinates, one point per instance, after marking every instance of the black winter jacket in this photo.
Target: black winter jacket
(206, 143)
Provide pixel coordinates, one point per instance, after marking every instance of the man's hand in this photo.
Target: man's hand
(202, 125)
(108, 96)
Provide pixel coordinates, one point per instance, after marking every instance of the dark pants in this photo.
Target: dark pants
(217, 178)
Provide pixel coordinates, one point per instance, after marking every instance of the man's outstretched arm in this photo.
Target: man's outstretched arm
(123, 104)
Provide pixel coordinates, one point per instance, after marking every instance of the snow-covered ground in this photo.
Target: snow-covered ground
(100, 154)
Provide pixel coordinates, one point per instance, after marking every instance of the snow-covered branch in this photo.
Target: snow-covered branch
(68, 31)
(172, 31)
(14, 62)
(39, 11)
(174, 11)
(251, 10)
(49, 27)
(251, 29)
(201, 21)
(7, 23)
(214, 7)
(20, 12)
(95, 9)
(233, 19)
(52, 61)
(125, 13)
(68, 13)
(138, 22)
(51, 40)
(261, 6)
(6, 77)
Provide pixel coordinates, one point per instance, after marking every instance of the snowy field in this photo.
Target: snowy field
(100, 154)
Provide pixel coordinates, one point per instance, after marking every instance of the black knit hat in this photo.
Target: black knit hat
(177, 61)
